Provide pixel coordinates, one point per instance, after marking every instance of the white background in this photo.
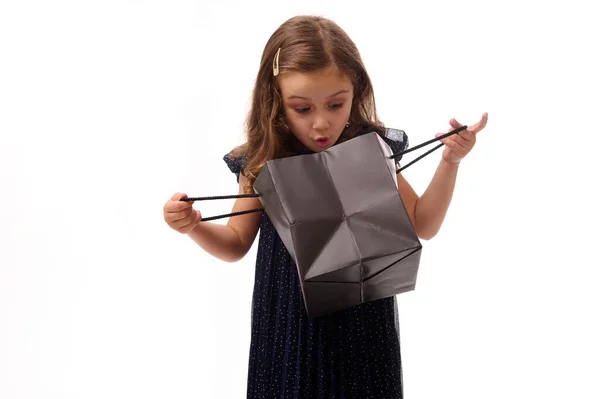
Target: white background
(107, 108)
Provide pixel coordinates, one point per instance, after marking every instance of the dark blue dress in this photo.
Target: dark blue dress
(353, 353)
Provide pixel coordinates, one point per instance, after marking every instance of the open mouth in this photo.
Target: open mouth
(323, 141)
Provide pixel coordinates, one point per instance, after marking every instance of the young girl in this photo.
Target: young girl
(312, 92)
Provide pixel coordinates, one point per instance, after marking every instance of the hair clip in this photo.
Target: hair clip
(276, 63)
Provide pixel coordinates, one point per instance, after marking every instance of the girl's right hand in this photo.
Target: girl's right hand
(180, 215)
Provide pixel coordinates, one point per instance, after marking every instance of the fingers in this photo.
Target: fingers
(474, 129)
(462, 143)
(454, 124)
(180, 215)
(442, 140)
(471, 130)
(175, 204)
(457, 150)
(466, 140)
(459, 147)
(178, 196)
(453, 143)
(185, 225)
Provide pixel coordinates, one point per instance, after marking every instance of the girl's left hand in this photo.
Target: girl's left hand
(459, 145)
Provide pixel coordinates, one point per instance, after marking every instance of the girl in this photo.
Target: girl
(312, 92)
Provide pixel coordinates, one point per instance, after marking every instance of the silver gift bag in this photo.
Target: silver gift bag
(341, 218)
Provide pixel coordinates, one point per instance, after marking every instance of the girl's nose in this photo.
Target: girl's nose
(320, 123)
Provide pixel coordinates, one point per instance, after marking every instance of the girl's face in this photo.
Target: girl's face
(317, 105)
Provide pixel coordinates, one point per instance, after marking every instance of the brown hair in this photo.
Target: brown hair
(307, 43)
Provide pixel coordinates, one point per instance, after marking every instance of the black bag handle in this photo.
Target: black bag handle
(443, 136)
(455, 131)
(225, 197)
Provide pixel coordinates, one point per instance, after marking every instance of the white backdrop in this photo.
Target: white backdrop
(107, 108)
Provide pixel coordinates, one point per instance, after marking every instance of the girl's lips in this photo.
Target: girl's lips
(323, 142)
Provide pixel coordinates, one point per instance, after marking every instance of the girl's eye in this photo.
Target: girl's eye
(305, 110)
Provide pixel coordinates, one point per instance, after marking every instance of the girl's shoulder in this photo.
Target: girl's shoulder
(235, 163)
(397, 139)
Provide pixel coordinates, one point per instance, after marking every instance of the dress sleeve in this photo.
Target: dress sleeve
(397, 140)
(235, 165)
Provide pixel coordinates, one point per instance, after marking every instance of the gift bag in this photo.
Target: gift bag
(341, 218)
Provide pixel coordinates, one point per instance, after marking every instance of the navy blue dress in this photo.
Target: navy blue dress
(353, 353)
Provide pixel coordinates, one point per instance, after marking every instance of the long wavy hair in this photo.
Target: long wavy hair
(306, 44)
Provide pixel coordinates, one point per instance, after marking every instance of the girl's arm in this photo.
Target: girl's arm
(232, 241)
(428, 212)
